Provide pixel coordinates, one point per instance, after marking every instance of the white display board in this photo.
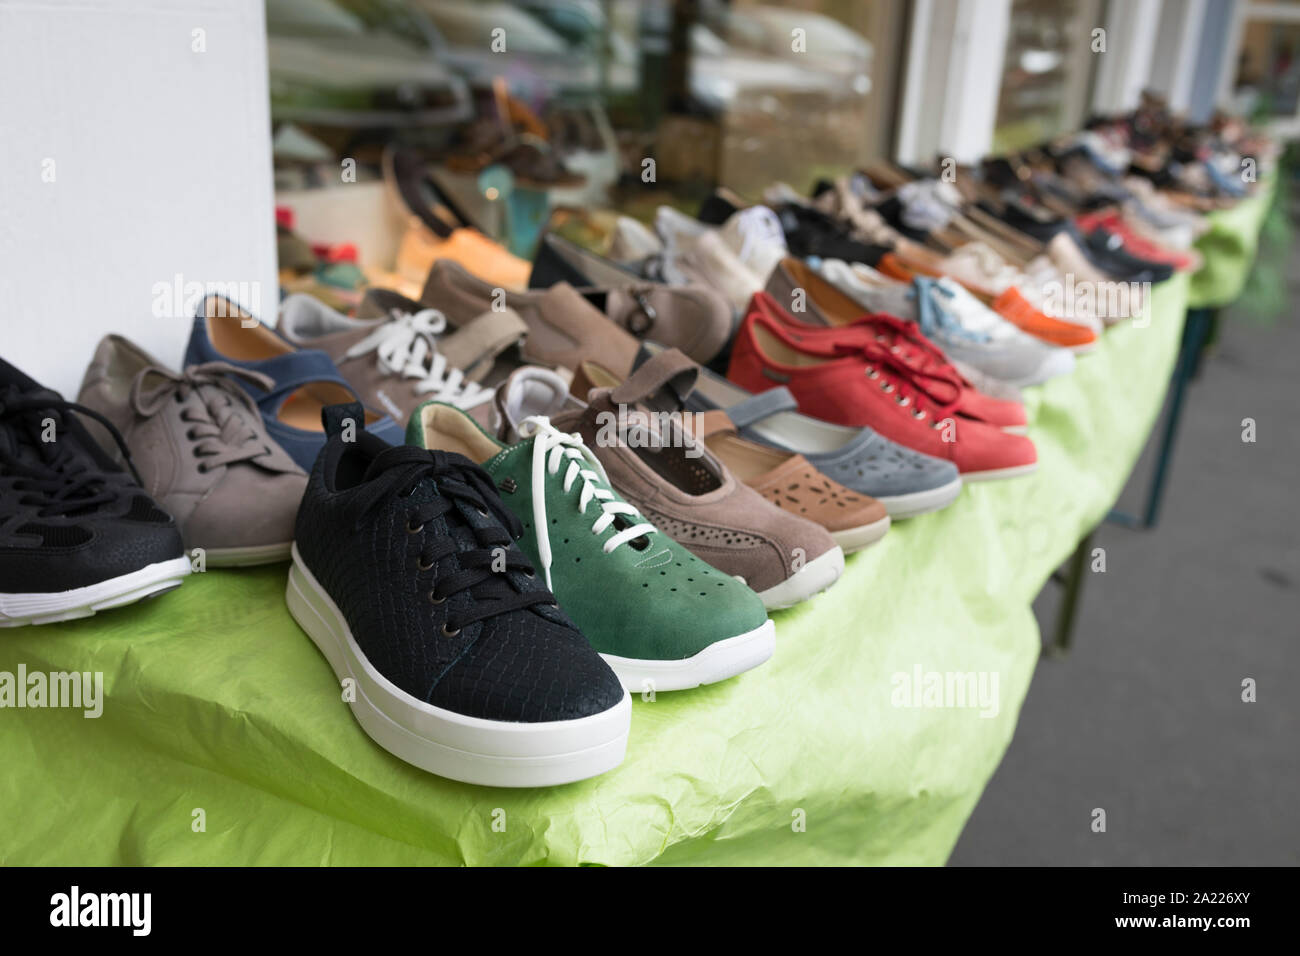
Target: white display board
(135, 170)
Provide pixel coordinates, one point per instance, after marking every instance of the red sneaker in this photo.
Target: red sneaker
(905, 340)
(866, 383)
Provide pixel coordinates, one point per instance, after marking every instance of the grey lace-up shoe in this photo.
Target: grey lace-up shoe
(202, 451)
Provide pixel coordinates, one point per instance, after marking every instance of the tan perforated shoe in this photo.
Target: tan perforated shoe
(787, 479)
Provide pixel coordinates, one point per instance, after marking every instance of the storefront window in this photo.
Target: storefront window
(1268, 70)
(1046, 75)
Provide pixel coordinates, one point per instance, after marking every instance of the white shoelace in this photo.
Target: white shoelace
(551, 449)
(407, 346)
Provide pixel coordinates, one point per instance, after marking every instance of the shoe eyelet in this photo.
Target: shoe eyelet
(203, 468)
(434, 599)
(483, 512)
(449, 633)
(422, 566)
(886, 387)
(530, 573)
(413, 530)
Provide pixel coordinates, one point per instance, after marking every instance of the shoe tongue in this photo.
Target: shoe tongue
(473, 347)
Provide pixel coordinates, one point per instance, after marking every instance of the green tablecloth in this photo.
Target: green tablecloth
(1229, 249)
(216, 702)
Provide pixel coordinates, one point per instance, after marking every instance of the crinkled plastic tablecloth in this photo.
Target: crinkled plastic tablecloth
(1229, 249)
(217, 702)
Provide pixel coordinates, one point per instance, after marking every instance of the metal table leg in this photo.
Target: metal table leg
(1072, 581)
(1196, 332)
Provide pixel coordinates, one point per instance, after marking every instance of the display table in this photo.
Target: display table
(216, 702)
(1229, 249)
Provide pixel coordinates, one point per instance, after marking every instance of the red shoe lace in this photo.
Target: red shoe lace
(921, 389)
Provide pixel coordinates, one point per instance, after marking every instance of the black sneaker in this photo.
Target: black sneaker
(808, 231)
(406, 576)
(77, 534)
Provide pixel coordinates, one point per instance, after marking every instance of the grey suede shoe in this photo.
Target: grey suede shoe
(202, 451)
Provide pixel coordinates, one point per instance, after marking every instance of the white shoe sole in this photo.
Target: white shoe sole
(717, 662)
(1059, 362)
(855, 539)
(493, 753)
(994, 474)
(813, 578)
(921, 502)
(49, 607)
(248, 557)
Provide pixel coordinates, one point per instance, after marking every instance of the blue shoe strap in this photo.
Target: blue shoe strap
(761, 406)
(292, 371)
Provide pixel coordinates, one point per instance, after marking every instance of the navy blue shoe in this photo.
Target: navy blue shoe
(304, 381)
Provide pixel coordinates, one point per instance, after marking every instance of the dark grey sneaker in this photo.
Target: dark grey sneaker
(202, 451)
(405, 574)
(77, 533)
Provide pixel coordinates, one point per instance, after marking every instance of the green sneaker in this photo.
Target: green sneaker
(662, 618)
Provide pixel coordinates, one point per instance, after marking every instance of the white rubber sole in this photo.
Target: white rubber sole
(248, 557)
(921, 502)
(1060, 362)
(492, 753)
(855, 539)
(994, 474)
(49, 607)
(717, 662)
(813, 578)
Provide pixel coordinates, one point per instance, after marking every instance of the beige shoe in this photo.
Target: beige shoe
(677, 483)
(202, 451)
(785, 478)
(563, 327)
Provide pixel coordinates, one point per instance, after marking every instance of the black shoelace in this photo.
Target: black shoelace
(398, 471)
(59, 482)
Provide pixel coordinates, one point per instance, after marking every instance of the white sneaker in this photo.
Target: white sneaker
(690, 245)
(971, 333)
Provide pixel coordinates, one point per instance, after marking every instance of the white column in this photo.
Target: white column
(134, 149)
(954, 74)
(1125, 68)
(1177, 47)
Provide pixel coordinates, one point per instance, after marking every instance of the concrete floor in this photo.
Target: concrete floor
(1144, 718)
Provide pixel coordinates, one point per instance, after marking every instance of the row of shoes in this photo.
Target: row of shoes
(508, 507)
